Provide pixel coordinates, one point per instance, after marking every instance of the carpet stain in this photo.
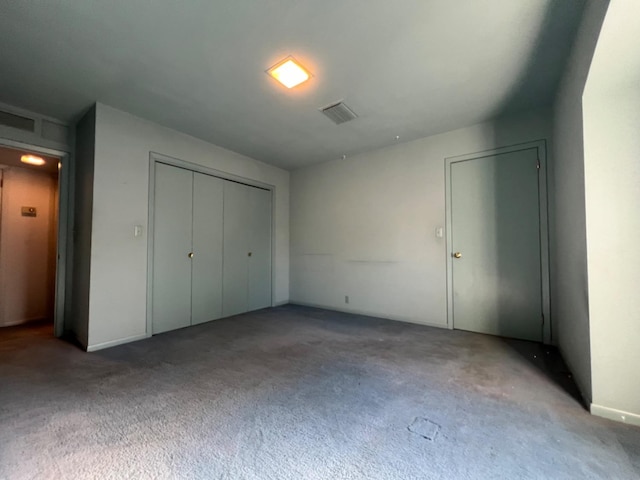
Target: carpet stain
(425, 428)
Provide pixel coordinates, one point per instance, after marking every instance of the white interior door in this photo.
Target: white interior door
(172, 236)
(206, 290)
(259, 281)
(495, 222)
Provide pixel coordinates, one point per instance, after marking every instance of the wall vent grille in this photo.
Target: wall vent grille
(339, 113)
(17, 121)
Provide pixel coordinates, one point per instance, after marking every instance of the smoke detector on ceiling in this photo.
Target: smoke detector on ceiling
(339, 113)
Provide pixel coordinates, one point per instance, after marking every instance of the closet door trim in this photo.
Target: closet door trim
(154, 158)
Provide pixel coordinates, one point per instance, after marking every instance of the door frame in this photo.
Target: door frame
(64, 185)
(541, 147)
(155, 158)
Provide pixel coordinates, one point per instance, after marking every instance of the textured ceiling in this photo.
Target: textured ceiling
(408, 68)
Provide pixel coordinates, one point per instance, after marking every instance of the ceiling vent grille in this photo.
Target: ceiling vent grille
(339, 113)
(17, 121)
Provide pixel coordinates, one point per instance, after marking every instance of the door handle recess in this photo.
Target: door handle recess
(457, 255)
(249, 254)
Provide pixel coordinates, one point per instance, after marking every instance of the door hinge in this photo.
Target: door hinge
(542, 319)
(538, 164)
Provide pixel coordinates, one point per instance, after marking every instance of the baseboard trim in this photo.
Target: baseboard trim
(617, 415)
(115, 343)
(368, 314)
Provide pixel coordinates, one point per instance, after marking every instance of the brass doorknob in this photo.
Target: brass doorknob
(190, 254)
(457, 255)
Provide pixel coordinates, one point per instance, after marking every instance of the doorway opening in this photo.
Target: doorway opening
(30, 223)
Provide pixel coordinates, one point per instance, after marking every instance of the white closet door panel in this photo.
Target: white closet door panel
(206, 287)
(237, 218)
(171, 246)
(259, 282)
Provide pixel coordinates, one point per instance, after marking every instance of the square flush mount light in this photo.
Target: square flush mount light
(289, 72)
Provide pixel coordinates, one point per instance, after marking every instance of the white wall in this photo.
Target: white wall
(117, 309)
(612, 184)
(27, 246)
(365, 226)
(612, 167)
(569, 282)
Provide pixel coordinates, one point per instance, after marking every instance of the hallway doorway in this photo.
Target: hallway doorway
(29, 224)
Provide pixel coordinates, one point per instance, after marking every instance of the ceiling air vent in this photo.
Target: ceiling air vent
(17, 121)
(339, 113)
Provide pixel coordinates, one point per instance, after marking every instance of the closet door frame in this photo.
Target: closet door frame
(155, 158)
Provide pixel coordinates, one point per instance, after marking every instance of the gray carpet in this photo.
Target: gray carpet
(300, 393)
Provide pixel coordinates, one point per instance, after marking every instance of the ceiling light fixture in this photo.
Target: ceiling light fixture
(289, 72)
(32, 160)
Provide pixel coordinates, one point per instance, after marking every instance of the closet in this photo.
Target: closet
(211, 248)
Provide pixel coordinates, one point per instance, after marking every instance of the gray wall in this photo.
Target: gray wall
(118, 289)
(569, 295)
(365, 227)
(83, 213)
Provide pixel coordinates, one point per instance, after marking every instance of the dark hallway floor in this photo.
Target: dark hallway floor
(300, 393)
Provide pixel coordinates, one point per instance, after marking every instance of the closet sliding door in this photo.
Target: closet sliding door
(259, 277)
(237, 223)
(247, 249)
(206, 291)
(211, 248)
(171, 247)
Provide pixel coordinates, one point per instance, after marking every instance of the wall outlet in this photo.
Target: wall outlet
(346, 299)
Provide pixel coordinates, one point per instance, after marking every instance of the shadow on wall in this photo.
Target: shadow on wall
(518, 247)
(496, 223)
(540, 77)
(552, 47)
